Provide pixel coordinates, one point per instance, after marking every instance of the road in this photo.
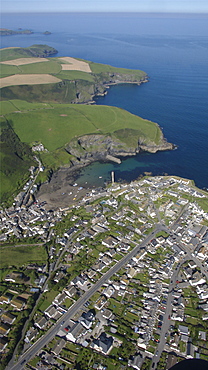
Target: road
(45, 339)
(52, 268)
(166, 321)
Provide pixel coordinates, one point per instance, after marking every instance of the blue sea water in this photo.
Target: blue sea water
(172, 50)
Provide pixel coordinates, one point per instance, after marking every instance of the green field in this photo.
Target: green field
(75, 75)
(55, 131)
(19, 256)
(103, 68)
(50, 67)
(7, 70)
(8, 106)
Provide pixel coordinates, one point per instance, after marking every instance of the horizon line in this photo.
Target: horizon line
(106, 12)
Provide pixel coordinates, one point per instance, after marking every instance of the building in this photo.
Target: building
(8, 318)
(103, 344)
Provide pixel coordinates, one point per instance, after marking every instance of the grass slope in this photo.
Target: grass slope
(98, 68)
(55, 125)
(18, 256)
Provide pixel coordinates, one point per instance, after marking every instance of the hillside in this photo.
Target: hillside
(36, 109)
(71, 133)
(63, 79)
(31, 51)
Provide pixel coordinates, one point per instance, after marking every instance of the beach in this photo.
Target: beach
(62, 190)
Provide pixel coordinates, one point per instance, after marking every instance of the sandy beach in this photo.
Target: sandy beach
(62, 191)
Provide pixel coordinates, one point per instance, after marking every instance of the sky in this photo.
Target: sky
(150, 6)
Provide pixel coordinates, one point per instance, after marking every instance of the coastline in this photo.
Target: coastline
(62, 190)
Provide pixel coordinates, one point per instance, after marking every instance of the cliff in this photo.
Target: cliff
(98, 147)
(86, 92)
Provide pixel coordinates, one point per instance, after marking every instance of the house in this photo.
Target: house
(8, 318)
(184, 338)
(202, 335)
(3, 343)
(6, 298)
(99, 229)
(104, 343)
(31, 334)
(86, 319)
(71, 291)
(59, 299)
(110, 242)
(106, 260)
(91, 273)
(70, 232)
(136, 362)
(177, 316)
(107, 314)
(75, 332)
(51, 311)
(111, 252)
(41, 322)
(58, 346)
(4, 328)
(197, 279)
(204, 295)
(183, 329)
(100, 303)
(202, 253)
(81, 282)
(192, 264)
(40, 281)
(190, 350)
(205, 317)
(59, 275)
(108, 292)
(18, 303)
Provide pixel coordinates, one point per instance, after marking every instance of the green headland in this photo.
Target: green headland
(48, 101)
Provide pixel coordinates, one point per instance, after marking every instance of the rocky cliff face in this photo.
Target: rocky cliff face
(86, 91)
(97, 147)
(153, 148)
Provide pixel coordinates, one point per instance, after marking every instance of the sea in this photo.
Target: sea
(171, 48)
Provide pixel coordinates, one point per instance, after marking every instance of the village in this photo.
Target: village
(146, 242)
